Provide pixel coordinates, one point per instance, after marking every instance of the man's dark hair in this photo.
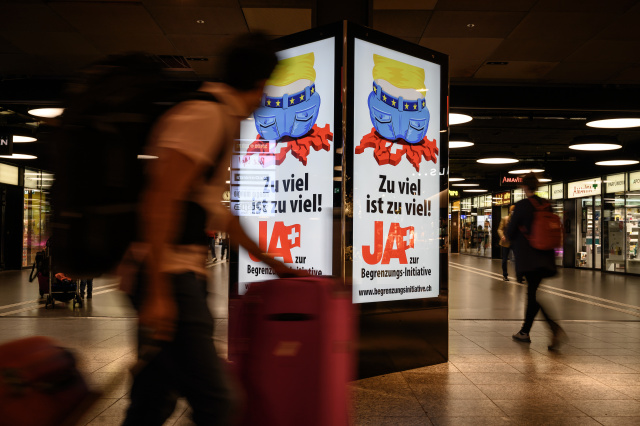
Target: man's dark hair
(530, 182)
(247, 60)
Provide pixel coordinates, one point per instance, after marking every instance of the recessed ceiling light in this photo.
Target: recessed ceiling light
(23, 139)
(456, 179)
(147, 157)
(615, 123)
(46, 112)
(465, 184)
(595, 146)
(497, 160)
(19, 157)
(617, 162)
(544, 180)
(458, 118)
(525, 171)
(474, 190)
(199, 21)
(460, 144)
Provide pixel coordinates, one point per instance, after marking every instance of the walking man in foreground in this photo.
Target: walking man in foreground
(531, 263)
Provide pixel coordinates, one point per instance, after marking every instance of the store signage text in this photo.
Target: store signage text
(453, 193)
(615, 183)
(502, 199)
(6, 144)
(584, 188)
(510, 180)
(634, 181)
(557, 192)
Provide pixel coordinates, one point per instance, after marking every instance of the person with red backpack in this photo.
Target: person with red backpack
(534, 232)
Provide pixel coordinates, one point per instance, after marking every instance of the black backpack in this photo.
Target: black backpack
(99, 177)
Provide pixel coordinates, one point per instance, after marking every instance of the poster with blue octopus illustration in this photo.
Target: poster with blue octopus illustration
(396, 176)
(282, 170)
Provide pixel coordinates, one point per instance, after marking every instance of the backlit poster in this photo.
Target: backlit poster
(282, 170)
(396, 175)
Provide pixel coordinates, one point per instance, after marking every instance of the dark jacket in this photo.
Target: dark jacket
(528, 259)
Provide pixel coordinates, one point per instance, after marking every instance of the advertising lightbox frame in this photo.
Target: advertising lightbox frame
(417, 324)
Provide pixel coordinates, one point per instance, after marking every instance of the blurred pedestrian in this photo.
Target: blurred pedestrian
(224, 242)
(88, 285)
(505, 245)
(533, 264)
(194, 144)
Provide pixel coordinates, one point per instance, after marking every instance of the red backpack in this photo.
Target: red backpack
(546, 228)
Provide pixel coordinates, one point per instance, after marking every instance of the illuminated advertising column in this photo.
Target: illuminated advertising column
(282, 170)
(396, 175)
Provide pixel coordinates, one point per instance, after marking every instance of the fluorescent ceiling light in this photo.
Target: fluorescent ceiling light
(23, 139)
(615, 123)
(617, 162)
(459, 118)
(455, 179)
(544, 180)
(497, 160)
(465, 184)
(525, 171)
(46, 112)
(147, 157)
(595, 146)
(475, 190)
(19, 157)
(460, 144)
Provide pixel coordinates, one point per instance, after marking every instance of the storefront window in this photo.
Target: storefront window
(632, 224)
(37, 211)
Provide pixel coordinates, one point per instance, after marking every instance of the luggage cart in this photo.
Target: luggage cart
(61, 289)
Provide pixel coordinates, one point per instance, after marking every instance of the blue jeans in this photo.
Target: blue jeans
(187, 366)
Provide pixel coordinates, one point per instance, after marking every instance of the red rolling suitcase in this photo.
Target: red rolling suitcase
(293, 349)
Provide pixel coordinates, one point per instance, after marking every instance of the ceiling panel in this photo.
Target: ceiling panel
(535, 50)
(584, 72)
(52, 43)
(150, 43)
(404, 4)
(630, 75)
(278, 21)
(7, 47)
(69, 64)
(618, 6)
(107, 18)
(30, 17)
(472, 24)
(183, 20)
(197, 44)
(607, 51)
(206, 69)
(623, 27)
(515, 70)
(463, 48)
(401, 23)
(462, 68)
(22, 63)
(493, 5)
(560, 26)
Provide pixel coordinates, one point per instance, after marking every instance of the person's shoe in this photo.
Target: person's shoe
(520, 280)
(522, 337)
(559, 338)
(89, 296)
(505, 278)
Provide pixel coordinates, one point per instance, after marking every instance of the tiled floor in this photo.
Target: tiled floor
(492, 380)
(489, 379)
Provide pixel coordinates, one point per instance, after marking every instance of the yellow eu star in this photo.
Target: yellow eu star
(313, 89)
(292, 100)
(269, 102)
(384, 97)
(277, 103)
(375, 89)
(406, 106)
(302, 97)
(415, 106)
(393, 103)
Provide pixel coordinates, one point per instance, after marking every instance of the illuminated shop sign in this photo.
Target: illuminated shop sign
(557, 191)
(510, 180)
(502, 198)
(634, 181)
(584, 188)
(615, 183)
